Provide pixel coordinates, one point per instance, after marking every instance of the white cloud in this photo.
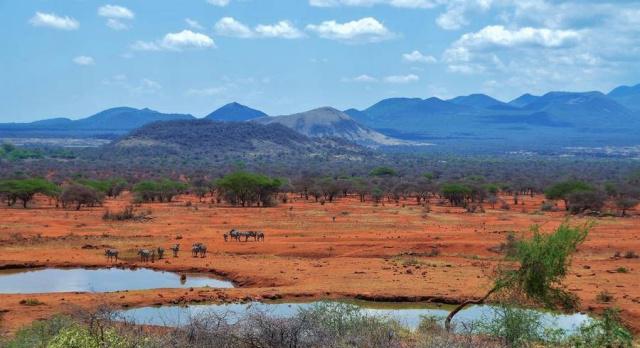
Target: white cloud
(194, 24)
(176, 42)
(116, 24)
(418, 57)
(84, 60)
(363, 30)
(114, 11)
(367, 3)
(51, 20)
(221, 3)
(499, 36)
(115, 16)
(282, 29)
(229, 26)
(186, 39)
(401, 78)
(362, 78)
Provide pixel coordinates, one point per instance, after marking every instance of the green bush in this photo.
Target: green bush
(604, 332)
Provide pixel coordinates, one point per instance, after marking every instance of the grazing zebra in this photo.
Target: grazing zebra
(145, 255)
(235, 234)
(175, 250)
(160, 253)
(111, 254)
(199, 249)
(260, 236)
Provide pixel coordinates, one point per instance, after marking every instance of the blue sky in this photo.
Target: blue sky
(73, 58)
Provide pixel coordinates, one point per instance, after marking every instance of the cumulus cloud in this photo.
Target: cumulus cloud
(84, 60)
(116, 15)
(51, 20)
(220, 3)
(366, 29)
(176, 42)
(401, 79)
(229, 26)
(367, 3)
(116, 24)
(417, 57)
(114, 11)
(282, 29)
(194, 24)
(361, 78)
(499, 36)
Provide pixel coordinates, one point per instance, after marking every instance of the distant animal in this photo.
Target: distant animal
(111, 254)
(226, 237)
(160, 253)
(198, 249)
(145, 255)
(260, 236)
(235, 234)
(175, 250)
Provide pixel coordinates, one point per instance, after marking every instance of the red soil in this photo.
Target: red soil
(373, 252)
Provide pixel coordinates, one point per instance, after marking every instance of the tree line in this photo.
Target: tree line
(245, 188)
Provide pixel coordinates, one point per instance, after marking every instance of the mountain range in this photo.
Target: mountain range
(329, 122)
(474, 121)
(215, 142)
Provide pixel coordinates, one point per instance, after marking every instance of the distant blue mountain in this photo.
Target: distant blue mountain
(235, 112)
(117, 120)
(570, 118)
(628, 96)
(523, 100)
(477, 100)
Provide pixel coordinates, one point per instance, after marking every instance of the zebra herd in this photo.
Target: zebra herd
(197, 249)
(236, 235)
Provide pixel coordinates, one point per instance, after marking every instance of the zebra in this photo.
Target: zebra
(226, 237)
(235, 234)
(111, 254)
(160, 253)
(260, 236)
(175, 250)
(144, 255)
(199, 249)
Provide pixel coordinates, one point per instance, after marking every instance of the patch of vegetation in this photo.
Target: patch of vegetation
(127, 214)
(31, 302)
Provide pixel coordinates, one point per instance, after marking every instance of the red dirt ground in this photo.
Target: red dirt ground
(378, 252)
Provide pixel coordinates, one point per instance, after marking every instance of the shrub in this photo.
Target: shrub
(127, 213)
(80, 195)
(31, 302)
(604, 296)
(605, 332)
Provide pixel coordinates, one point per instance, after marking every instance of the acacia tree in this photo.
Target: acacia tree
(25, 189)
(542, 262)
(246, 188)
(564, 189)
(456, 194)
(80, 195)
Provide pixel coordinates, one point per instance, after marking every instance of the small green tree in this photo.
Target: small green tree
(456, 193)
(24, 190)
(564, 189)
(383, 171)
(542, 263)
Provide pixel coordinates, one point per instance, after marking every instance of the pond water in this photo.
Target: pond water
(48, 280)
(409, 315)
